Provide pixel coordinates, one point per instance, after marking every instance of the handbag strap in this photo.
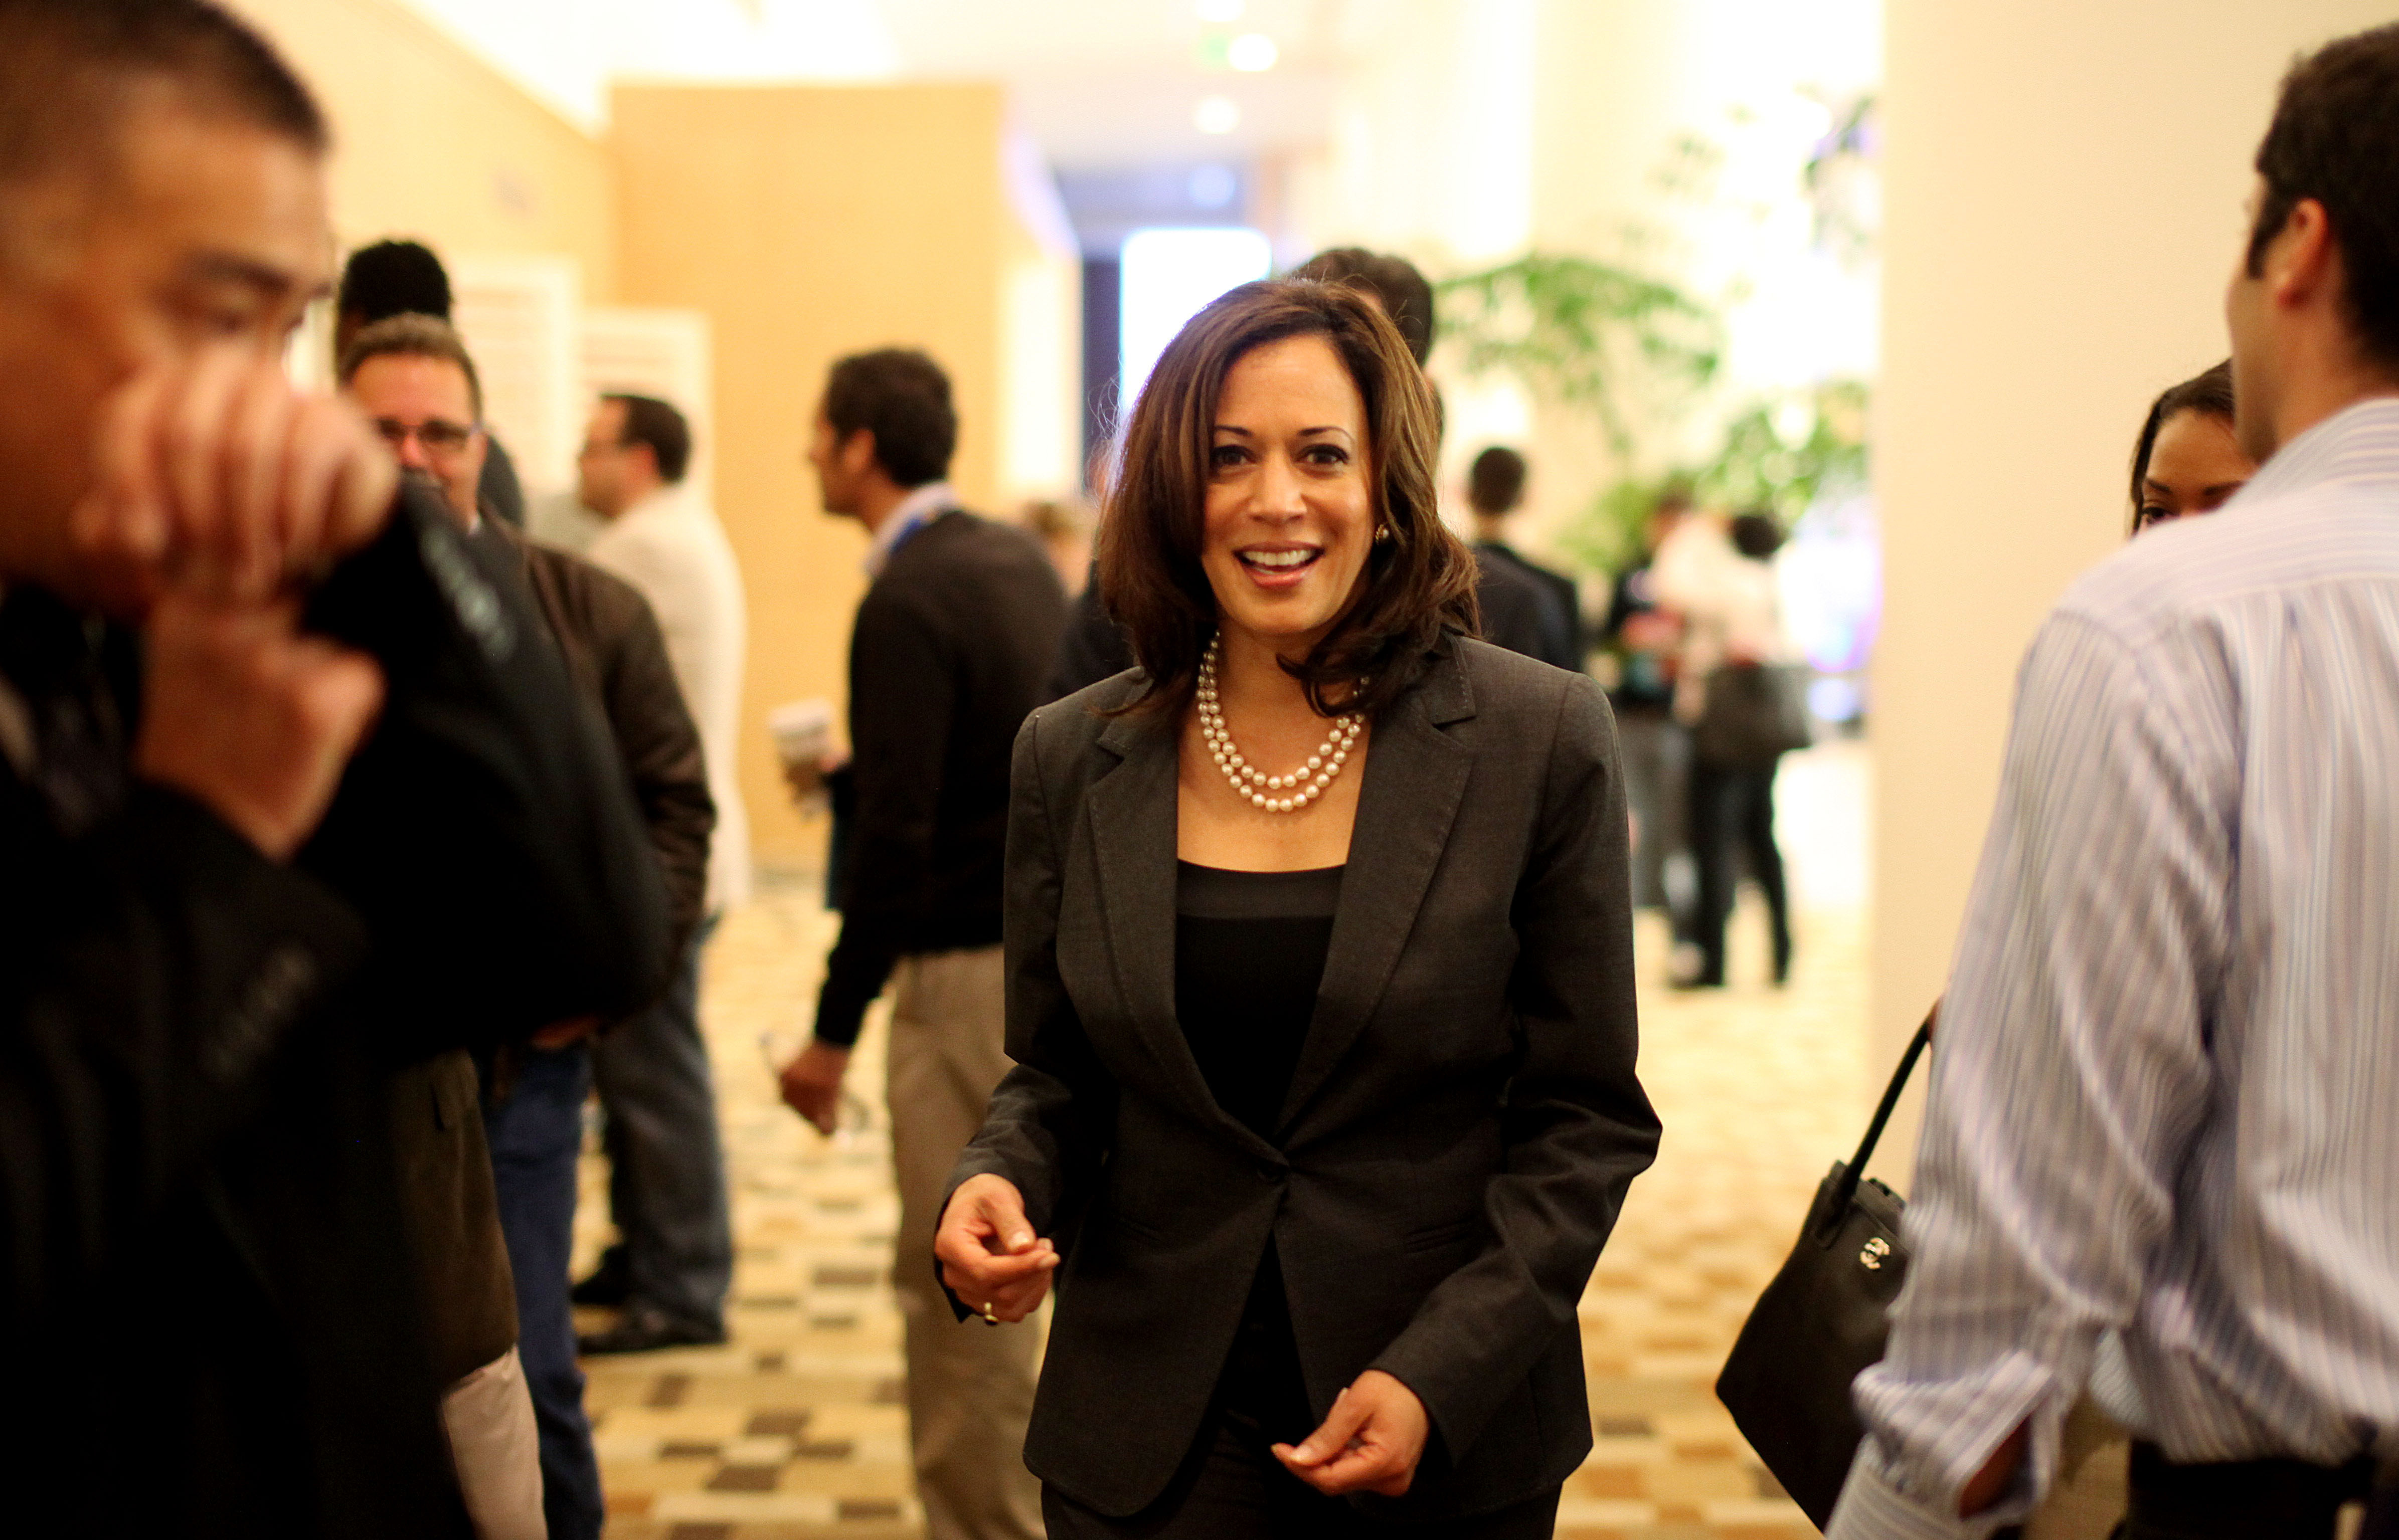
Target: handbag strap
(1850, 1178)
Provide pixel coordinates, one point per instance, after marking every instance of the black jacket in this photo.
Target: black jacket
(1093, 648)
(205, 1058)
(953, 645)
(1563, 637)
(1459, 1133)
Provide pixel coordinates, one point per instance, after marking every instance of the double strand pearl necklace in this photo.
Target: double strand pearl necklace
(1272, 793)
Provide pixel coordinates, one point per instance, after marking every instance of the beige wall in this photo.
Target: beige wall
(2064, 185)
(808, 223)
(433, 143)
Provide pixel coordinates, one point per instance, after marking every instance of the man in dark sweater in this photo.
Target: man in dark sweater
(952, 646)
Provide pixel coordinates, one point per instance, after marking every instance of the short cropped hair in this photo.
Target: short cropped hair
(66, 67)
(414, 337)
(2209, 391)
(1403, 291)
(1420, 579)
(394, 278)
(902, 397)
(1495, 485)
(652, 422)
(2335, 139)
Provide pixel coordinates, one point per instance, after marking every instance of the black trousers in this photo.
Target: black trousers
(2247, 1500)
(1732, 816)
(1231, 1487)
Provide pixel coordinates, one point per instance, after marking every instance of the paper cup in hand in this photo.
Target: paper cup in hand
(803, 732)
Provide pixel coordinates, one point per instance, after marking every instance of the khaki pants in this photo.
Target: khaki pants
(969, 1385)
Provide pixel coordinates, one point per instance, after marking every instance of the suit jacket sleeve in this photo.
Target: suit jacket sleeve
(660, 748)
(1577, 1125)
(486, 831)
(1048, 1123)
(901, 685)
(148, 973)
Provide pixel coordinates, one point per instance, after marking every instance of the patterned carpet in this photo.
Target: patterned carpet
(796, 1430)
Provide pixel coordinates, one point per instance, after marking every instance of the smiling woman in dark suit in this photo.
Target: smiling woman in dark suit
(1319, 987)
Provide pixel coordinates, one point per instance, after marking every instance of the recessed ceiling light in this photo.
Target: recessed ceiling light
(1218, 10)
(1252, 51)
(1217, 114)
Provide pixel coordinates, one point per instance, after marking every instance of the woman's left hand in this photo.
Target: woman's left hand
(1371, 1441)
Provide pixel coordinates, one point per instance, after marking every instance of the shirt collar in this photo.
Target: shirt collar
(914, 513)
(2359, 442)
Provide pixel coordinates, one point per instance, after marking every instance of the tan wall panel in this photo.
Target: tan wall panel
(2064, 187)
(810, 222)
(434, 143)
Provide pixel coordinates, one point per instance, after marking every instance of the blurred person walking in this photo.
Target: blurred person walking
(2157, 1153)
(1731, 680)
(265, 886)
(417, 384)
(673, 1264)
(404, 277)
(953, 642)
(1644, 636)
(1324, 1099)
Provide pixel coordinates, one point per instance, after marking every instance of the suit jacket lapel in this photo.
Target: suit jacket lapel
(1133, 821)
(1416, 780)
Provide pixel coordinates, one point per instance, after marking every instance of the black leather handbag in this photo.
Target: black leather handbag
(1821, 1323)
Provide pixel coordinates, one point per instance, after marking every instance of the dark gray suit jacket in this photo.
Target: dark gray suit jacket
(1460, 1129)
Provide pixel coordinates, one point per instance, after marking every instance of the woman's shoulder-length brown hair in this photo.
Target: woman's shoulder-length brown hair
(1419, 581)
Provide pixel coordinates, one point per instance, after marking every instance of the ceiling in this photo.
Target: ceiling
(1097, 83)
(1119, 82)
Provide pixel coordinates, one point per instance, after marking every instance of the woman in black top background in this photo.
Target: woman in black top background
(1319, 987)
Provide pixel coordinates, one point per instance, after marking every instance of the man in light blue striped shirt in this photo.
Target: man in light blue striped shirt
(2162, 1156)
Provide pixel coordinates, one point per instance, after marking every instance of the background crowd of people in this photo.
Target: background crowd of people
(1251, 874)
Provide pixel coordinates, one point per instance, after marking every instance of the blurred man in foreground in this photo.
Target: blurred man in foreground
(2157, 1157)
(277, 760)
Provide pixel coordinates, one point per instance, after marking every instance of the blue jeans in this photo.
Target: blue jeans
(536, 1136)
(666, 1183)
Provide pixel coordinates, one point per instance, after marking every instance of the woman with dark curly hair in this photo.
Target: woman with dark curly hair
(1319, 987)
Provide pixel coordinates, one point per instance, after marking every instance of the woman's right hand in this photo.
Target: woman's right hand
(990, 1257)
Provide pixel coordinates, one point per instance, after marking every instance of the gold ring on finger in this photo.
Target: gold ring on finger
(988, 1318)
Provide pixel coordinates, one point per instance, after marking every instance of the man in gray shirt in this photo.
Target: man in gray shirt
(2158, 1158)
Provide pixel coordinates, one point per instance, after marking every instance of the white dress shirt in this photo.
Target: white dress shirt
(671, 546)
(2165, 1090)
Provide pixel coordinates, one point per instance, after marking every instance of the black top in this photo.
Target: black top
(1249, 953)
(952, 645)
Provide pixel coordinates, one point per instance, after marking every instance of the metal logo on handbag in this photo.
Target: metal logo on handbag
(1822, 1322)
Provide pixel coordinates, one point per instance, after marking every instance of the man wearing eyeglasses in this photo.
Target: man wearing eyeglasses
(417, 383)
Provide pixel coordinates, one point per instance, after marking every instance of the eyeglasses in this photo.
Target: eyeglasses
(441, 438)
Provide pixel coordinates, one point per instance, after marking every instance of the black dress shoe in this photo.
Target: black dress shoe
(646, 1331)
(611, 1283)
